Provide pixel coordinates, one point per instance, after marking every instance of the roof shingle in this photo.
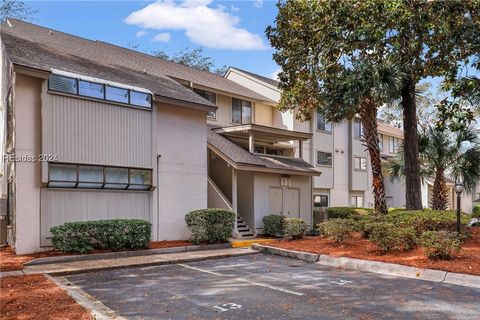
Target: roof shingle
(41, 48)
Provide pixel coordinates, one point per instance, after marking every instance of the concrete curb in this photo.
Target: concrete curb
(98, 310)
(63, 269)
(391, 269)
(125, 254)
(11, 273)
(307, 257)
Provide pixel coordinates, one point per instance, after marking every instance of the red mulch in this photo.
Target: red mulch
(467, 261)
(169, 244)
(9, 261)
(36, 297)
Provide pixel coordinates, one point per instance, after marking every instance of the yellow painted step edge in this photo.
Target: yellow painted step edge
(248, 243)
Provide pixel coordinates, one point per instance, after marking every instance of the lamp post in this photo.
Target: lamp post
(458, 190)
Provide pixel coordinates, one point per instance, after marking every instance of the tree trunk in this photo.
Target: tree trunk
(410, 144)
(368, 114)
(440, 191)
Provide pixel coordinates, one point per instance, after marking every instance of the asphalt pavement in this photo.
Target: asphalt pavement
(263, 286)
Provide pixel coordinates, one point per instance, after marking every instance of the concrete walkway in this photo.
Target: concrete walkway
(96, 265)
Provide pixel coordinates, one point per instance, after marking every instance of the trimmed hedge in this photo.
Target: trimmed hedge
(427, 220)
(116, 234)
(210, 225)
(274, 225)
(347, 212)
(295, 228)
(388, 236)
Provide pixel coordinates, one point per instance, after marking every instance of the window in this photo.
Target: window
(116, 94)
(241, 111)
(324, 158)
(357, 201)
(210, 96)
(98, 177)
(322, 123)
(91, 89)
(360, 163)
(357, 128)
(380, 142)
(393, 145)
(99, 91)
(320, 201)
(62, 84)
(140, 99)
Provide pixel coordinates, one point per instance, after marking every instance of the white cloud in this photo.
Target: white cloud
(258, 4)
(162, 37)
(234, 9)
(203, 25)
(140, 33)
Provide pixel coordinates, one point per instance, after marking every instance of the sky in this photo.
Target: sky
(230, 32)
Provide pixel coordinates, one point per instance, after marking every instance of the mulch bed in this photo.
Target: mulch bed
(467, 261)
(9, 261)
(36, 297)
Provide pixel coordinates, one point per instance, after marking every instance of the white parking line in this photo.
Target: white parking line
(260, 284)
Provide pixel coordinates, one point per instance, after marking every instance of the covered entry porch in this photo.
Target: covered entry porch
(255, 185)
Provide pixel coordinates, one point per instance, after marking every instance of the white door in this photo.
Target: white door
(276, 200)
(292, 203)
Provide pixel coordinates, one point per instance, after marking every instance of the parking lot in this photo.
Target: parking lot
(262, 286)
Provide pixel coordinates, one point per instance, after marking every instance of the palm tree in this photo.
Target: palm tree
(363, 88)
(443, 154)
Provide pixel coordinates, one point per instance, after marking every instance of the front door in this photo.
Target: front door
(292, 203)
(276, 200)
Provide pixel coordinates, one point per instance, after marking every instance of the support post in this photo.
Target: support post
(300, 149)
(251, 142)
(234, 199)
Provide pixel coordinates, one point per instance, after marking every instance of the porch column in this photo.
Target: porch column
(251, 142)
(300, 149)
(234, 198)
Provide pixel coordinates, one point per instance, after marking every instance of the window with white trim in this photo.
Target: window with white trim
(320, 200)
(324, 158)
(357, 201)
(393, 145)
(241, 111)
(210, 96)
(360, 163)
(100, 91)
(65, 175)
(322, 123)
(357, 128)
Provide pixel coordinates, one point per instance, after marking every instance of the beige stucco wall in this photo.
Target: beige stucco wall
(182, 144)
(262, 184)
(28, 174)
(246, 197)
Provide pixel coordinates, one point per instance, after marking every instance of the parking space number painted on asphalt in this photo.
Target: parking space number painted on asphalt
(226, 306)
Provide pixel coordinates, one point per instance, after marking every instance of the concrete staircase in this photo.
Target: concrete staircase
(243, 230)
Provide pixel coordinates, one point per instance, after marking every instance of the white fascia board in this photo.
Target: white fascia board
(98, 80)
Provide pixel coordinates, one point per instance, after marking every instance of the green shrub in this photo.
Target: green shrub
(342, 213)
(475, 211)
(440, 244)
(210, 225)
(427, 220)
(116, 234)
(337, 230)
(295, 228)
(388, 236)
(313, 232)
(273, 225)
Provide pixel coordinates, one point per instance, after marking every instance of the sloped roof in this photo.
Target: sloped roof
(42, 48)
(242, 157)
(270, 81)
